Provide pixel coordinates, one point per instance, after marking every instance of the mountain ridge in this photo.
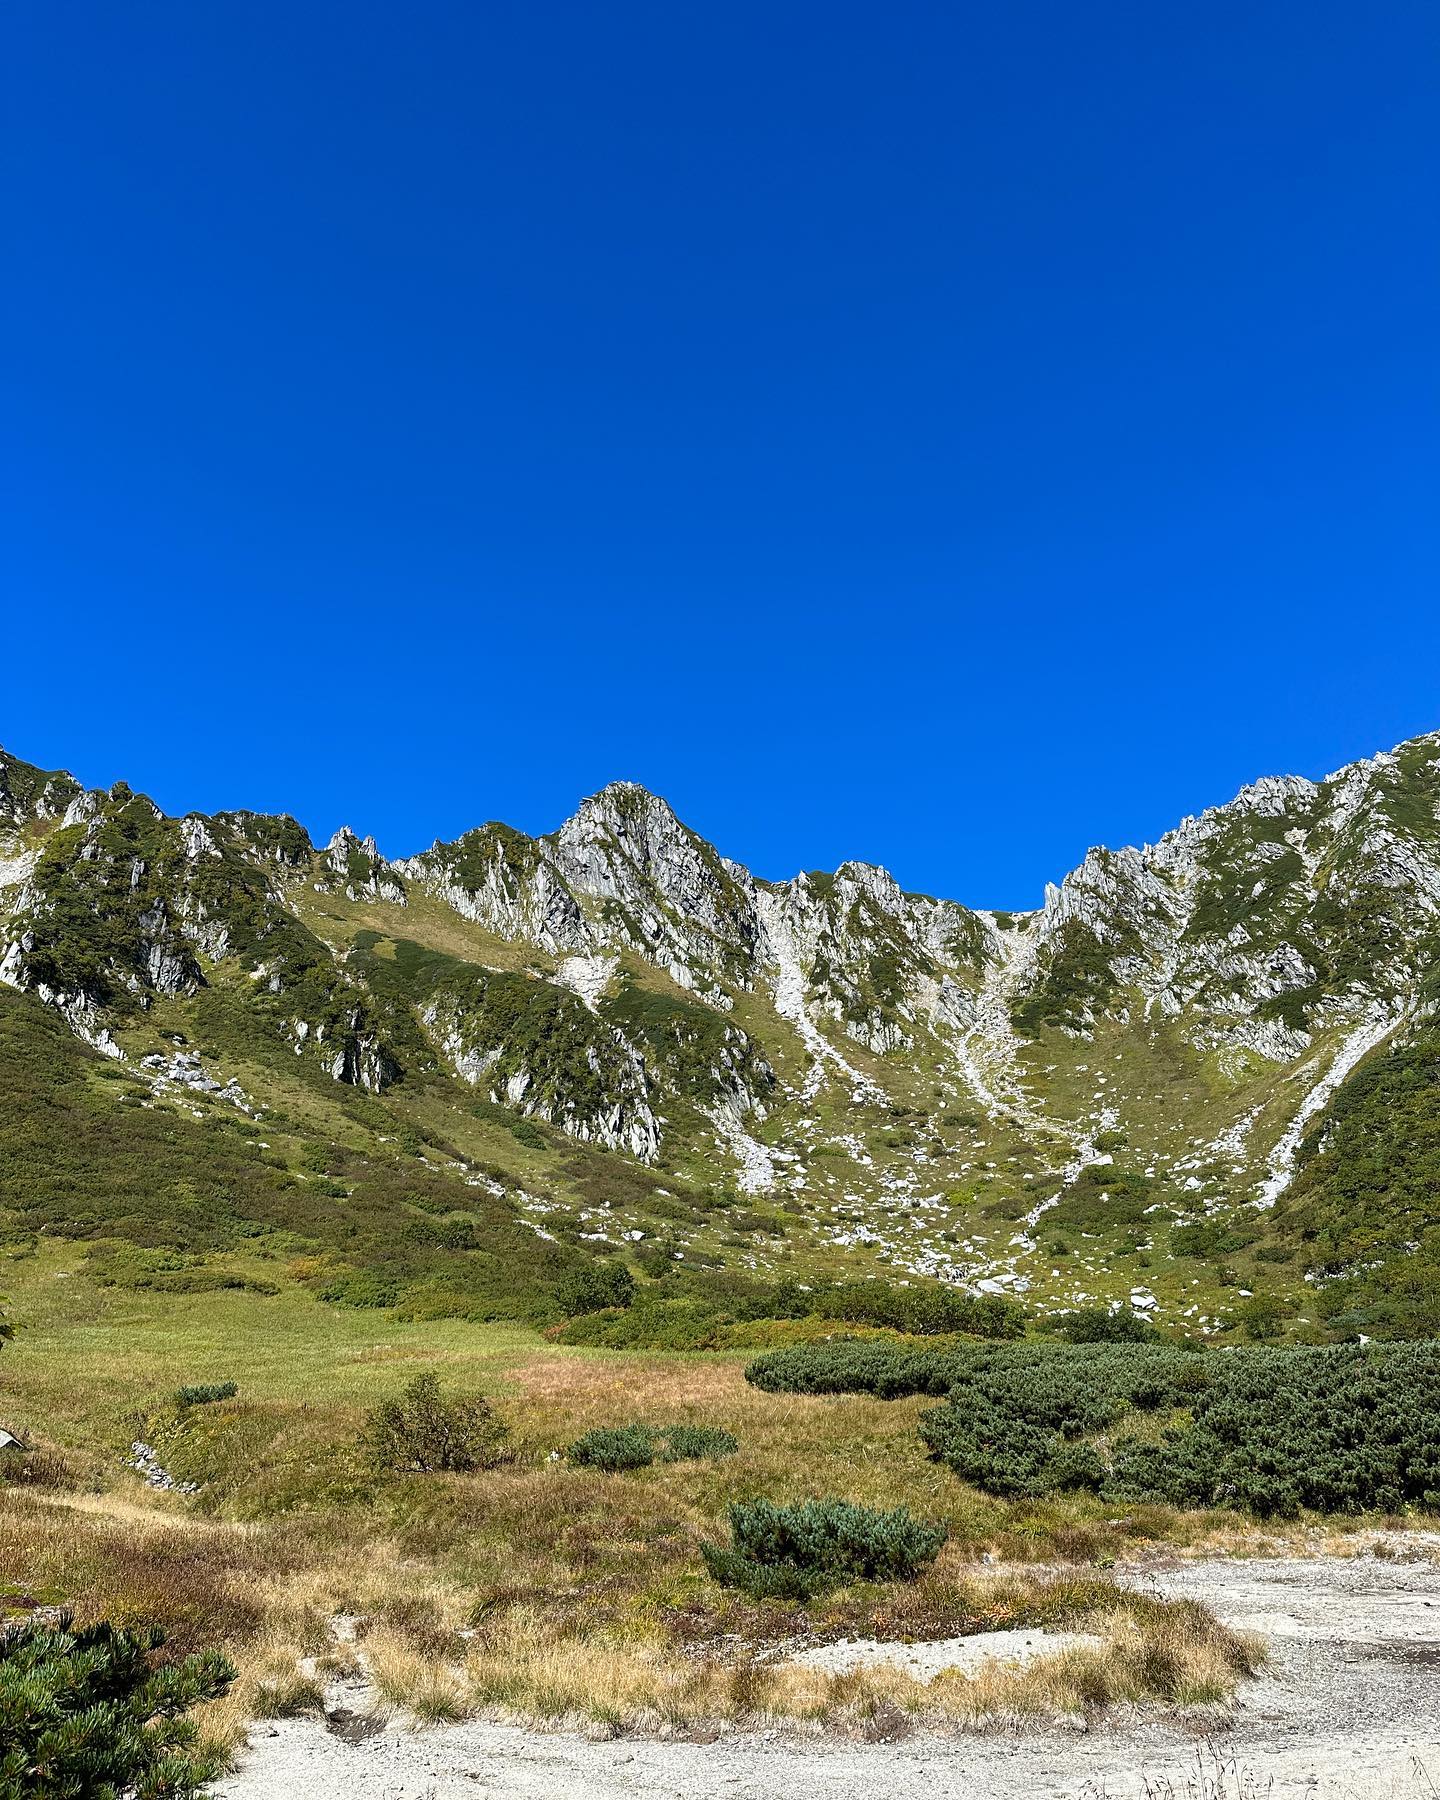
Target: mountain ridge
(622, 980)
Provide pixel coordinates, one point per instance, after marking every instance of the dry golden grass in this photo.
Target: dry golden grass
(530, 1665)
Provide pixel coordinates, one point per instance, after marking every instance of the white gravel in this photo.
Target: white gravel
(968, 1655)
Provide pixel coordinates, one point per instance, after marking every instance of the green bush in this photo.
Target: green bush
(1013, 1414)
(694, 1443)
(688, 1308)
(424, 1432)
(206, 1393)
(649, 1325)
(854, 1366)
(617, 1447)
(613, 1448)
(90, 1714)
(594, 1289)
(1094, 1325)
(531, 1136)
(924, 1309)
(1272, 1431)
(1103, 1196)
(796, 1552)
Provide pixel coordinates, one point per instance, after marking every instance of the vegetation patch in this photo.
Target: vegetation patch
(1341, 1429)
(1079, 980)
(854, 1367)
(1345, 1428)
(168, 1201)
(1364, 1206)
(424, 1431)
(94, 1712)
(207, 1393)
(613, 1448)
(697, 1311)
(796, 1552)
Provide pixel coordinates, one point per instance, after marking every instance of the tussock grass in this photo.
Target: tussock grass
(536, 1667)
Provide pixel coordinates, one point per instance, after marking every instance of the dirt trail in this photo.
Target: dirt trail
(1348, 1710)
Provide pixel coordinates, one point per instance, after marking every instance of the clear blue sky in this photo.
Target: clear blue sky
(940, 433)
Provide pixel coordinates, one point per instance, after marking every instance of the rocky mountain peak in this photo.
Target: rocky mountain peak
(29, 794)
(1262, 928)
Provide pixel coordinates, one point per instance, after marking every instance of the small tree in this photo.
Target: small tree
(594, 1288)
(89, 1713)
(424, 1432)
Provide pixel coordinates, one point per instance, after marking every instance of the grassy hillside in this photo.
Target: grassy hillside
(170, 1201)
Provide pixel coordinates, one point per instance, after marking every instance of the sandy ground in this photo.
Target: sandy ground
(923, 1662)
(1349, 1709)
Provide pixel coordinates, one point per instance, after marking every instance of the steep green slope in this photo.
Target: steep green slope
(87, 1152)
(1365, 1202)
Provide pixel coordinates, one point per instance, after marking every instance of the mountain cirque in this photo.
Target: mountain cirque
(1131, 1096)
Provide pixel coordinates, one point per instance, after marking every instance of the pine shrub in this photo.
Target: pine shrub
(613, 1448)
(1346, 1428)
(207, 1393)
(797, 1552)
(695, 1443)
(90, 1713)
(854, 1366)
(617, 1447)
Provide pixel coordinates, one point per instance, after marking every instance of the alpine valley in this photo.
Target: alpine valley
(1201, 1083)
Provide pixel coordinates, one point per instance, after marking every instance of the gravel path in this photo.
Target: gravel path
(1348, 1710)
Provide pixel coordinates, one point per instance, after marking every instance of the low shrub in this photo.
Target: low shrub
(854, 1366)
(1012, 1415)
(649, 1325)
(616, 1447)
(424, 1432)
(90, 1712)
(594, 1289)
(1339, 1429)
(924, 1309)
(531, 1136)
(206, 1394)
(797, 1552)
(1096, 1325)
(695, 1443)
(693, 1308)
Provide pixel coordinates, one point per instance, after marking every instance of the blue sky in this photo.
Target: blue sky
(944, 434)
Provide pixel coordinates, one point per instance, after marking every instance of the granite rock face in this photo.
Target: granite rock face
(625, 950)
